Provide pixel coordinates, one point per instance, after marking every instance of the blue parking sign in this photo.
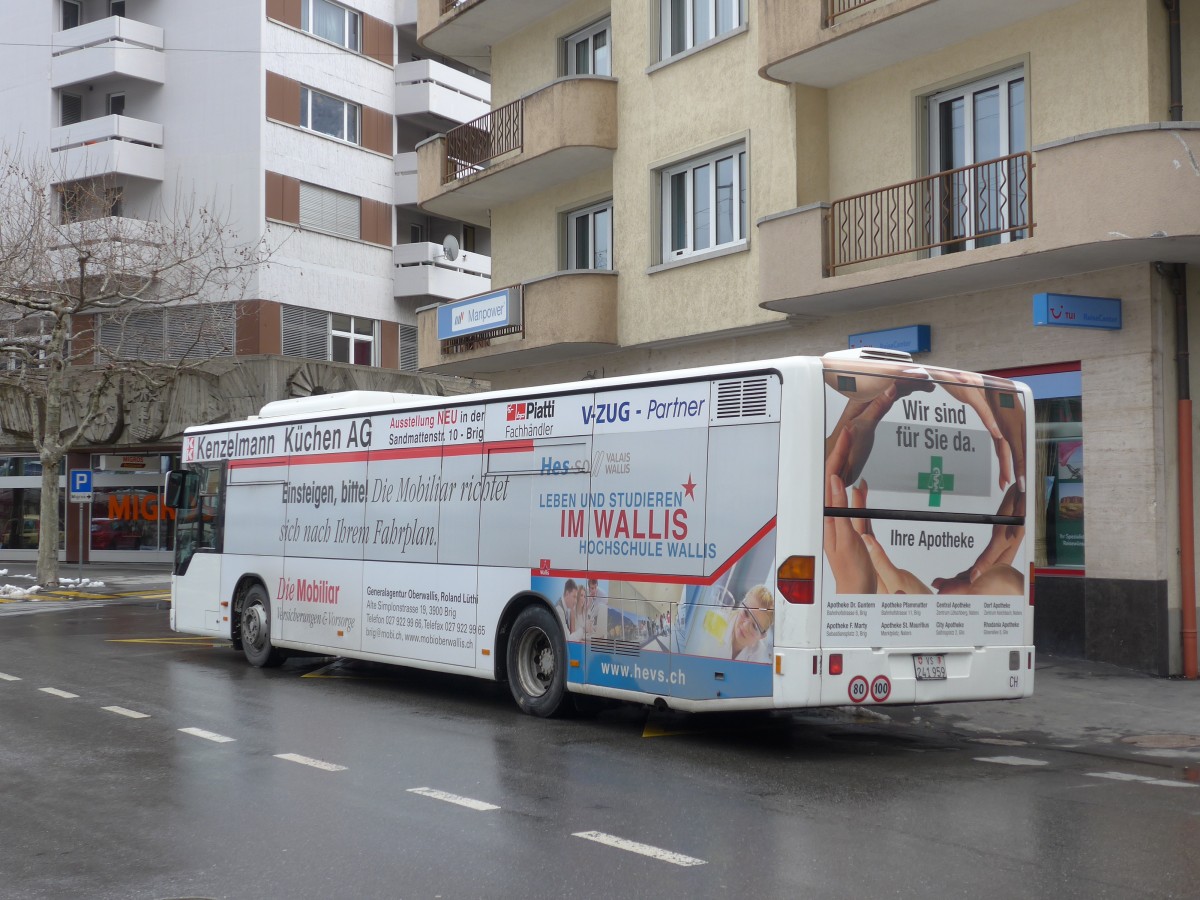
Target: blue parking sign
(80, 481)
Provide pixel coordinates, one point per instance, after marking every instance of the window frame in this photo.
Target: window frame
(354, 337)
(710, 12)
(968, 92)
(308, 20)
(306, 117)
(570, 221)
(740, 172)
(588, 35)
(77, 6)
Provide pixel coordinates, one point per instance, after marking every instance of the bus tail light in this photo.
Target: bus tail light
(1031, 584)
(835, 664)
(795, 579)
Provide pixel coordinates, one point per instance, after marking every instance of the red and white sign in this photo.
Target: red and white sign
(858, 689)
(881, 688)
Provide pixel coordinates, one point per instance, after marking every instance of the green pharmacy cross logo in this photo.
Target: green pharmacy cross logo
(935, 481)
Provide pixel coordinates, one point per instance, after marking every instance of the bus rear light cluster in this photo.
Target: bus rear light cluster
(795, 579)
(835, 664)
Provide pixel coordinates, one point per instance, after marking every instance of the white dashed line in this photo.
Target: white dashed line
(453, 798)
(1011, 760)
(309, 761)
(208, 735)
(57, 693)
(677, 859)
(4, 677)
(122, 711)
(1141, 779)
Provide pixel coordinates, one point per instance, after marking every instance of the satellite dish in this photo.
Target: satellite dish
(450, 247)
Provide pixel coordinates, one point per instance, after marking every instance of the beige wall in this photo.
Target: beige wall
(1091, 66)
(531, 59)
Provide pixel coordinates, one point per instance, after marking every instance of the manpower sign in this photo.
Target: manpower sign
(488, 312)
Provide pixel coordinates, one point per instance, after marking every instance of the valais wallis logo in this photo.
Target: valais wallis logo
(516, 412)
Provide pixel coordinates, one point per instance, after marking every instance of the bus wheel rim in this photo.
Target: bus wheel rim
(537, 662)
(254, 626)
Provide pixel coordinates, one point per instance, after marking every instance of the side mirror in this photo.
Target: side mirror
(182, 489)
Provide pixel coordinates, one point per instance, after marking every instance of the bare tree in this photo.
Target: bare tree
(93, 303)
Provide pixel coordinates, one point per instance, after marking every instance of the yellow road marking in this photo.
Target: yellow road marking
(179, 641)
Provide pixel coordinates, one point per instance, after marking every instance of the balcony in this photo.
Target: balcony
(108, 49)
(835, 41)
(422, 270)
(467, 30)
(425, 88)
(1102, 200)
(108, 145)
(552, 136)
(567, 315)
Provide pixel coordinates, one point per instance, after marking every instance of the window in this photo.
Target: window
(328, 115)
(328, 210)
(1056, 500)
(71, 109)
(352, 340)
(587, 51)
(969, 126)
(115, 104)
(468, 238)
(332, 22)
(117, 8)
(314, 334)
(416, 234)
(688, 23)
(589, 237)
(704, 203)
(72, 14)
(85, 200)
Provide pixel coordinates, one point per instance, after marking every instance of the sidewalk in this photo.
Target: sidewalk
(93, 579)
(1085, 705)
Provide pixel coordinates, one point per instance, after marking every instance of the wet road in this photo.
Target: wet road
(136, 763)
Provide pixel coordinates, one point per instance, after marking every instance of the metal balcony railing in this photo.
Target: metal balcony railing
(470, 146)
(959, 209)
(448, 5)
(841, 7)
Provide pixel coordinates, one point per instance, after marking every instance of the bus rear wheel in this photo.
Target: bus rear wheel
(537, 663)
(254, 630)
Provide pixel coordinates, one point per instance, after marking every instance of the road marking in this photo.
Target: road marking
(208, 735)
(122, 711)
(309, 761)
(453, 798)
(1143, 779)
(1011, 760)
(4, 677)
(57, 693)
(644, 849)
(181, 641)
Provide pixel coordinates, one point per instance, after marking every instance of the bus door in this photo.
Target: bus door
(199, 541)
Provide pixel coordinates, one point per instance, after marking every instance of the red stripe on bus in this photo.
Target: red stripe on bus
(399, 453)
(258, 463)
(317, 459)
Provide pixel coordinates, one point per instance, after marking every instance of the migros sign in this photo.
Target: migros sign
(133, 508)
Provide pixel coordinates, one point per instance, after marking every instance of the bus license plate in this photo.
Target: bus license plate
(930, 667)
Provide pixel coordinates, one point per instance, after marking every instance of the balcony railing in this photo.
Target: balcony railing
(841, 7)
(469, 147)
(448, 5)
(959, 209)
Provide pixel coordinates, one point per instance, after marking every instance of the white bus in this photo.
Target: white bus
(789, 533)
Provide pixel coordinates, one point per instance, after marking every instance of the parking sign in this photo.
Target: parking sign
(80, 485)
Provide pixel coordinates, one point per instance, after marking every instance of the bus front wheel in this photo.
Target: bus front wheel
(537, 663)
(254, 630)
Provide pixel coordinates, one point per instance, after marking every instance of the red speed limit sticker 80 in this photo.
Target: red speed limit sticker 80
(858, 689)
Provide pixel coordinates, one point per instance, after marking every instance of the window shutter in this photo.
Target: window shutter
(305, 332)
(328, 210)
(408, 348)
(72, 109)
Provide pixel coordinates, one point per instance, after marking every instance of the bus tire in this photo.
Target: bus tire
(254, 630)
(537, 663)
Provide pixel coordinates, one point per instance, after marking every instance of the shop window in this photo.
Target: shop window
(1057, 495)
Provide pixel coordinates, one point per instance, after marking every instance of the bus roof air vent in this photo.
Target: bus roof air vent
(899, 356)
(741, 399)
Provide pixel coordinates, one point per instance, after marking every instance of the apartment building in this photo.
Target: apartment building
(1005, 187)
(297, 119)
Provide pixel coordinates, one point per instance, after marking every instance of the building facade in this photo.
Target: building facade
(1004, 187)
(293, 119)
